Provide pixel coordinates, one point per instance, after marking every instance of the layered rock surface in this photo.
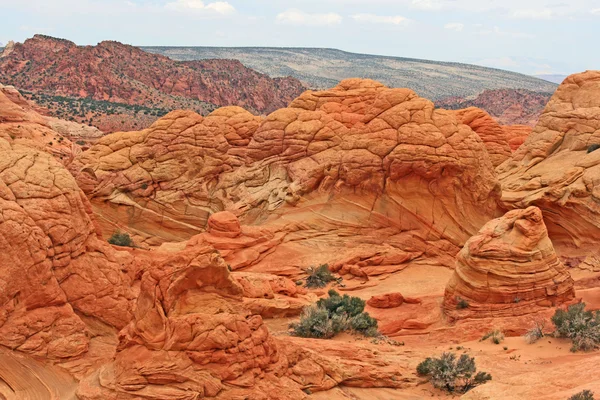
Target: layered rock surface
(355, 158)
(193, 337)
(555, 171)
(509, 268)
(53, 263)
(20, 122)
(489, 131)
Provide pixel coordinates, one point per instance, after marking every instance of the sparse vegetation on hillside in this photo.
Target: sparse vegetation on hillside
(451, 374)
(579, 325)
(109, 116)
(121, 239)
(319, 277)
(584, 395)
(496, 336)
(535, 333)
(335, 314)
(430, 79)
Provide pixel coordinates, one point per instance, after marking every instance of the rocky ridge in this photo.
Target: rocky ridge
(120, 73)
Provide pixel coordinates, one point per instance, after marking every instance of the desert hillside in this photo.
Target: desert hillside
(324, 68)
(112, 85)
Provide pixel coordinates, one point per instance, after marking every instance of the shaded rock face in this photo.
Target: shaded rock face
(509, 268)
(489, 131)
(384, 156)
(164, 181)
(554, 171)
(53, 263)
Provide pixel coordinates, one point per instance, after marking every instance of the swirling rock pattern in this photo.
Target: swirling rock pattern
(489, 131)
(554, 171)
(509, 268)
(53, 262)
(357, 156)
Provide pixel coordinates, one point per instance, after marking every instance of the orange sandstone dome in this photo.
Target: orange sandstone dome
(509, 268)
(364, 154)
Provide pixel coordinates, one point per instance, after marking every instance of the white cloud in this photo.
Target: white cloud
(217, 7)
(496, 31)
(297, 17)
(380, 19)
(543, 13)
(428, 5)
(455, 26)
(596, 11)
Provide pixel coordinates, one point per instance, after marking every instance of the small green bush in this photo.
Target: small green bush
(585, 395)
(121, 239)
(496, 336)
(319, 277)
(335, 314)
(579, 325)
(314, 323)
(593, 147)
(461, 303)
(535, 333)
(452, 375)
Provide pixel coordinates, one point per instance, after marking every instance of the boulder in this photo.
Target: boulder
(508, 269)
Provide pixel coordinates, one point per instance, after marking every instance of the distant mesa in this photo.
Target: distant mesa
(322, 68)
(507, 106)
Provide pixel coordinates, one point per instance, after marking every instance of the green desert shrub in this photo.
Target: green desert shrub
(585, 395)
(121, 239)
(579, 325)
(461, 303)
(535, 333)
(332, 315)
(319, 277)
(495, 336)
(593, 147)
(452, 374)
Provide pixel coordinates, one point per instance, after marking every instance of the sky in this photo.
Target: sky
(528, 36)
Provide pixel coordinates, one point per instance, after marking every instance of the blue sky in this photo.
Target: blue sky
(529, 36)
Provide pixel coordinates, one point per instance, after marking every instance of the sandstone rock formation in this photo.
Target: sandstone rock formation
(507, 106)
(358, 158)
(192, 337)
(20, 122)
(508, 269)
(391, 300)
(489, 131)
(554, 171)
(53, 263)
(516, 135)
